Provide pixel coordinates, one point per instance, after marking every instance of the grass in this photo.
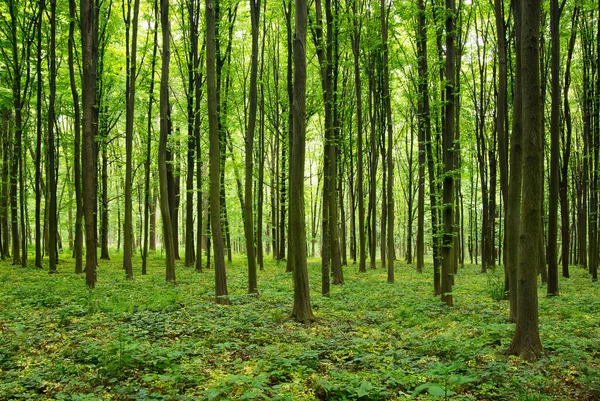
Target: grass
(145, 339)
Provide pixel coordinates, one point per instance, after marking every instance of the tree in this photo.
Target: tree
(390, 159)
(553, 197)
(38, 154)
(302, 311)
(248, 206)
(147, 173)
(215, 158)
(165, 209)
(424, 134)
(89, 57)
(52, 186)
(526, 341)
(131, 65)
(362, 258)
(78, 245)
(449, 158)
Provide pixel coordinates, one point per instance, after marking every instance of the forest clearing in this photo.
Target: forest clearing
(146, 339)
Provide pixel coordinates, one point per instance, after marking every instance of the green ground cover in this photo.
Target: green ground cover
(148, 340)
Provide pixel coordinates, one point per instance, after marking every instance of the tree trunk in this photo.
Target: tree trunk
(89, 36)
(423, 121)
(38, 154)
(566, 140)
(449, 158)
(52, 221)
(130, 110)
(362, 258)
(147, 188)
(301, 311)
(513, 204)
(78, 246)
(390, 154)
(249, 142)
(165, 209)
(526, 342)
(554, 150)
(215, 158)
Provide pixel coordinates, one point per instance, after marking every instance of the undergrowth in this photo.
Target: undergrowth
(145, 339)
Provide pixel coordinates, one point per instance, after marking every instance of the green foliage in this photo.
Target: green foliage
(495, 286)
(144, 339)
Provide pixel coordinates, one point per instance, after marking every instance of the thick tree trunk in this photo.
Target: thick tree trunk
(301, 311)
(526, 342)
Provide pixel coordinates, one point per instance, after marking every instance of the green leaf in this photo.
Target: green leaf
(364, 389)
(420, 389)
(460, 379)
(438, 391)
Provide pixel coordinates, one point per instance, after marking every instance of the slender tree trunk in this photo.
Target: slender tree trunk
(147, 188)
(192, 66)
(215, 157)
(165, 209)
(78, 246)
(6, 158)
(449, 157)
(52, 218)
(261, 155)
(566, 140)
(390, 151)
(104, 202)
(199, 165)
(130, 110)
(423, 120)
(89, 35)
(554, 150)
(359, 139)
(38, 154)
(249, 142)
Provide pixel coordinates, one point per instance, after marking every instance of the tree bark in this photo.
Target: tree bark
(215, 158)
(390, 151)
(165, 209)
(301, 311)
(448, 152)
(526, 342)
(147, 188)
(553, 197)
(130, 110)
(249, 142)
(89, 35)
(52, 220)
(38, 154)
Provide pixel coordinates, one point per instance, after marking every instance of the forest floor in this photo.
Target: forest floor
(144, 339)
